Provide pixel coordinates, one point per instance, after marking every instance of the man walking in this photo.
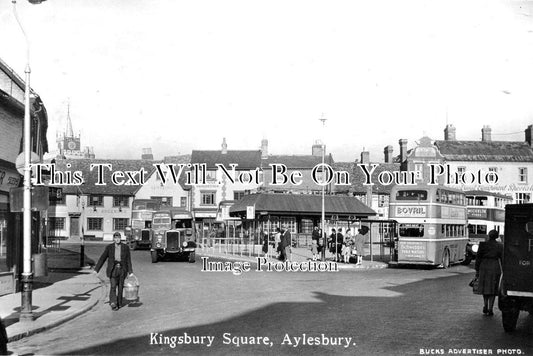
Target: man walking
(118, 259)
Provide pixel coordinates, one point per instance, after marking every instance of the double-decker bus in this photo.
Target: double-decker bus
(141, 222)
(431, 224)
(173, 234)
(485, 212)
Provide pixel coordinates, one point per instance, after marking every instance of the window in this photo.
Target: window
(56, 223)
(211, 176)
(461, 170)
(183, 202)
(163, 201)
(419, 169)
(207, 198)
(522, 175)
(383, 200)
(121, 200)
(411, 230)
(412, 195)
(290, 223)
(492, 177)
(306, 226)
(96, 200)
(58, 201)
(120, 223)
(238, 194)
(522, 198)
(95, 224)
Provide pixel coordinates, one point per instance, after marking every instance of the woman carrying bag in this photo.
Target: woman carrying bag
(488, 270)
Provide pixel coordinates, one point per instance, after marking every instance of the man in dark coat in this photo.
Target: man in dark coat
(286, 241)
(118, 259)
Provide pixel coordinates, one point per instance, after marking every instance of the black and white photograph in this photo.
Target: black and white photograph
(238, 177)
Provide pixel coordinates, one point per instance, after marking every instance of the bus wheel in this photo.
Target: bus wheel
(467, 260)
(154, 256)
(446, 259)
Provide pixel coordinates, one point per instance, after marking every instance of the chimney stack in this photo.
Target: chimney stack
(224, 146)
(264, 148)
(403, 149)
(388, 154)
(365, 157)
(449, 133)
(147, 154)
(529, 135)
(485, 133)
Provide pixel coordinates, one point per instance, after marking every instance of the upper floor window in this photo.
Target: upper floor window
(96, 200)
(121, 200)
(207, 198)
(522, 175)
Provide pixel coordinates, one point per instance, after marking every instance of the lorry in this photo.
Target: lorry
(173, 235)
(516, 284)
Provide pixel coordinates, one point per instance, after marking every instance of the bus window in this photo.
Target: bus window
(471, 229)
(482, 229)
(412, 195)
(411, 230)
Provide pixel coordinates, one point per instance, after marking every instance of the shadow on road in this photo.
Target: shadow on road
(410, 320)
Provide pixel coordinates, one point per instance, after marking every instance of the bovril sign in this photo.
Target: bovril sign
(410, 211)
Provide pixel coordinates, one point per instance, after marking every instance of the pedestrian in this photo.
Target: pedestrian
(3, 338)
(265, 243)
(359, 244)
(315, 239)
(118, 259)
(347, 247)
(488, 270)
(332, 242)
(277, 242)
(339, 246)
(286, 241)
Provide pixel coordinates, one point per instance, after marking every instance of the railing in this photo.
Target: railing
(236, 246)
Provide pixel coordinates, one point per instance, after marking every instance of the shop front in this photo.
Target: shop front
(9, 245)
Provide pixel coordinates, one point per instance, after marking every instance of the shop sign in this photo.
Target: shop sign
(250, 212)
(477, 213)
(410, 211)
(8, 180)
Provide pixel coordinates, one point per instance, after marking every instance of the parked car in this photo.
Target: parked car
(516, 286)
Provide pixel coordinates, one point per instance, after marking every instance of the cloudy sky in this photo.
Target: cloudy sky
(181, 75)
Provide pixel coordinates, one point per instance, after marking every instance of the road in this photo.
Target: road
(384, 311)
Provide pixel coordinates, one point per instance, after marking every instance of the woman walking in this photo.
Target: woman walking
(488, 270)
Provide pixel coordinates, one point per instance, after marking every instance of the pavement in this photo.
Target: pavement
(68, 291)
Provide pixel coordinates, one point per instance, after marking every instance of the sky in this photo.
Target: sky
(179, 76)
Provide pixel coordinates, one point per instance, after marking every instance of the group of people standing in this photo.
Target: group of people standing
(341, 246)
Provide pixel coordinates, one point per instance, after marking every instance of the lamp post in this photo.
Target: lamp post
(26, 313)
(323, 217)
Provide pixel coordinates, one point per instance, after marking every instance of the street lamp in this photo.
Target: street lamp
(26, 313)
(323, 217)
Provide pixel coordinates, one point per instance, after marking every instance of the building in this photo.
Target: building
(276, 168)
(216, 185)
(98, 207)
(168, 193)
(264, 212)
(11, 142)
(476, 161)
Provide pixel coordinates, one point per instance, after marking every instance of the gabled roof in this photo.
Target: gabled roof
(296, 161)
(359, 178)
(245, 160)
(91, 177)
(487, 151)
(301, 204)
